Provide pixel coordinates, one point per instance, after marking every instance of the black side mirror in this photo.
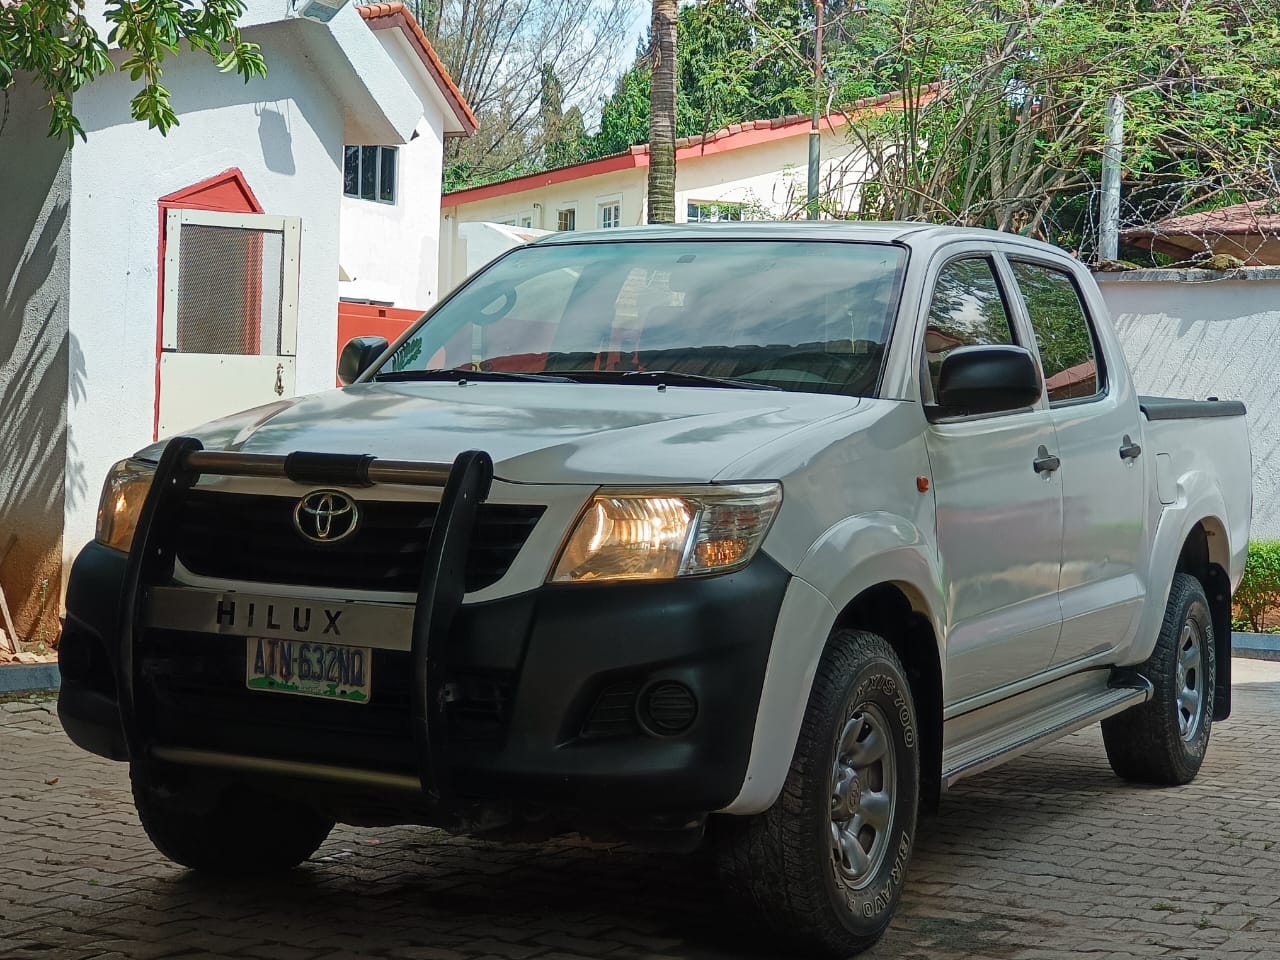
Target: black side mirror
(987, 379)
(358, 356)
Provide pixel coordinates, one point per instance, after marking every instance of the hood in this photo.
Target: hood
(535, 432)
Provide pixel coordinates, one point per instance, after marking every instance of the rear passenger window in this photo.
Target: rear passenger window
(968, 309)
(1063, 332)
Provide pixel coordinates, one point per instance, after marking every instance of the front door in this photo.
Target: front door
(999, 519)
(229, 316)
(1103, 487)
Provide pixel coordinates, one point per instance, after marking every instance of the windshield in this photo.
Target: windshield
(800, 315)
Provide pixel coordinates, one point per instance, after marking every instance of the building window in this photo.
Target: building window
(526, 220)
(610, 214)
(369, 173)
(705, 211)
(567, 219)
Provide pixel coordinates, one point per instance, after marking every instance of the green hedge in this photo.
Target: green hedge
(1258, 597)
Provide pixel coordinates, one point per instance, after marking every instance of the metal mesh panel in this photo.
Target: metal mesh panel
(230, 284)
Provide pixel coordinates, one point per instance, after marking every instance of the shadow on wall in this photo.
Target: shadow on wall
(36, 372)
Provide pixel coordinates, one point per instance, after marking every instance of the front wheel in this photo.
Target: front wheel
(239, 834)
(825, 864)
(1164, 740)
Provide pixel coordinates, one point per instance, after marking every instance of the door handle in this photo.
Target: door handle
(279, 379)
(1129, 450)
(1045, 462)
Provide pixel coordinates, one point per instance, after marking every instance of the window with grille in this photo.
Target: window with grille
(611, 214)
(231, 283)
(369, 173)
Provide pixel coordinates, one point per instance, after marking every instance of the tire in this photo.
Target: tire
(242, 835)
(784, 861)
(1164, 740)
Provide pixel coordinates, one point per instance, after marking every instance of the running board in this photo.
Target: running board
(1018, 731)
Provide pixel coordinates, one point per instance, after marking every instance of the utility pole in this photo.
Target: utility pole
(1109, 214)
(815, 135)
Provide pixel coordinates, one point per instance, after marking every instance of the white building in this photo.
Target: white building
(391, 195)
(753, 170)
(151, 283)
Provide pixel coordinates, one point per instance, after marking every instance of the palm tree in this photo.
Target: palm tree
(662, 114)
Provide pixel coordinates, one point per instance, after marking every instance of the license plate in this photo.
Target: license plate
(308, 669)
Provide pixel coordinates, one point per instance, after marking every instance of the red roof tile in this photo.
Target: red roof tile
(383, 16)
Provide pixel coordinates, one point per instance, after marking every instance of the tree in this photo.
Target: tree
(498, 52)
(662, 114)
(53, 42)
(1010, 136)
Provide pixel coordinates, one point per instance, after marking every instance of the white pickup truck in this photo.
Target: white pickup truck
(763, 532)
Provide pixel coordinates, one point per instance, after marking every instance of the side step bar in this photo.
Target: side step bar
(1026, 731)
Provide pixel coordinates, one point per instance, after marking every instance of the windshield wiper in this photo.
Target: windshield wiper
(468, 375)
(669, 377)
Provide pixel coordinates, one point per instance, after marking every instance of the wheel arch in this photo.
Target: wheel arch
(898, 612)
(1206, 556)
(893, 589)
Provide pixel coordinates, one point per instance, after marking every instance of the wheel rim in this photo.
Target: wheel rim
(1190, 680)
(863, 788)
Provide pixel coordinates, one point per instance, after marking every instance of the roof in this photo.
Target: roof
(733, 137)
(1250, 231)
(388, 16)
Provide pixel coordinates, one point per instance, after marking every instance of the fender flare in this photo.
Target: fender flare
(893, 550)
(1199, 499)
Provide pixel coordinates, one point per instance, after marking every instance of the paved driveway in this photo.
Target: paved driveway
(1047, 857)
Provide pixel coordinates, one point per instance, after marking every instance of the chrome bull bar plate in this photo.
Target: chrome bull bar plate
(383, 626)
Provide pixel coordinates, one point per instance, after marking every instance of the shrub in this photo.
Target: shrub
(1259, 592)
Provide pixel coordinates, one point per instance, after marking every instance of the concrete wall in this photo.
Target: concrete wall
(39, 365)
(392, 251)
(286, 134)
(1197, 334)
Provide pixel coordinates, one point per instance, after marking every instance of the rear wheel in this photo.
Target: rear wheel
(240, 833)
(825, 864)
(1164, 740)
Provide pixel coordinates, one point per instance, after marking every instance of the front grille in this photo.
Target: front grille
(242, 537)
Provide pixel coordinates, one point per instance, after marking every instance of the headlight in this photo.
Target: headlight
(663, 534)
(122, 495)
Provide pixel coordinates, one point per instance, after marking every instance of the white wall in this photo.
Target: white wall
(285, 133)
(773, 175)
(38, 367)
(392, 251)
(1194, 334)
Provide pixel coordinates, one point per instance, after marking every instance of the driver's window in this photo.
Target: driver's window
(967, 309)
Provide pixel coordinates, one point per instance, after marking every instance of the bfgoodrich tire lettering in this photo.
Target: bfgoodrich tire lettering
(1164, 740)
(826, 863)
(240, 835)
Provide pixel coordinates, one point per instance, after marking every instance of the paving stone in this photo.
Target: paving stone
(1047, 858)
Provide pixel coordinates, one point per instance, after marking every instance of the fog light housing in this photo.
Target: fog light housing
(667, 708)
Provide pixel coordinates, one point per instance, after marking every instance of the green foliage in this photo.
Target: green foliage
(1015, 131)
(53, 42)
(1258, 597)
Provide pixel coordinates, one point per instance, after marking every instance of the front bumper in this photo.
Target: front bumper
(550, 712)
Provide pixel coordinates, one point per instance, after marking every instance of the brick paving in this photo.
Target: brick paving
(1047, 857)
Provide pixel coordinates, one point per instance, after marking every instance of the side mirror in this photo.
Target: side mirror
(988, 379)
(358, 356)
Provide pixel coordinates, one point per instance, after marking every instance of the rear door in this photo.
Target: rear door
(999, 519)
(229, 317)
(1095, 417)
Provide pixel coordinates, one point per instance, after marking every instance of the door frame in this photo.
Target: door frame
(227, 192)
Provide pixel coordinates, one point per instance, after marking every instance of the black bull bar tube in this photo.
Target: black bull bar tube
(466, 485)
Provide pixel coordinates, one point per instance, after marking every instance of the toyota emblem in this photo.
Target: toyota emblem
(326, 516)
